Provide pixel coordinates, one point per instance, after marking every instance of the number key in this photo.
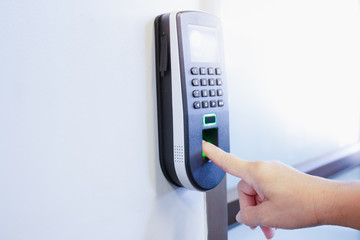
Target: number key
(203, 82)
(195, 82)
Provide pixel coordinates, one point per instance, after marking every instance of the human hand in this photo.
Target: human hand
(272, 194)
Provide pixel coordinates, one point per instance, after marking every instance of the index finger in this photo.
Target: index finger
(229, 163)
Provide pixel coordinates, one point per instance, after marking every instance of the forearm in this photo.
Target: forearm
(341, 204)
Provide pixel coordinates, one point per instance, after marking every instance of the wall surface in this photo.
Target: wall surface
(293, 68)
(78, 130)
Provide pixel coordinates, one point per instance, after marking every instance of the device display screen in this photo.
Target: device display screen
(204, 45)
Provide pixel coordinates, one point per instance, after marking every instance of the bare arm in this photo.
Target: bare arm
(274, 195)
(345, 207)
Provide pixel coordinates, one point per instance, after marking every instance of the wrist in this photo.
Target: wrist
(325, 201)
(338, 204)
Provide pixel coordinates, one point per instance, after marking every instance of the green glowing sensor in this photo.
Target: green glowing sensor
(209, 119)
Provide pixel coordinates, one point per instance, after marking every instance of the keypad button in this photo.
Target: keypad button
(211, 71)
(219, 92)
(197, 105)
(196, 93)
(219, 81)
(218, 71)
(202, 71)
(194, 71)
(220, 103)
(195, 82)
(205, 104)
(211, 82)
(204, 93)
(203, 82)
(212, 103)
(212, 92)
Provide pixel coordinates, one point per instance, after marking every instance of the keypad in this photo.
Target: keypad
(202, 71)
(197, 105)
(194, 71)
(205, 104)
(211, 71)
(218, 81)
(196, 93)
(203, 82)
(212, 82)
(220, 103)
(195, 82)
(207, 91)
(204, 93)
(218, 71)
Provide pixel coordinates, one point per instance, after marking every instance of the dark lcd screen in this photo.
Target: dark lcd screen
(204, 44)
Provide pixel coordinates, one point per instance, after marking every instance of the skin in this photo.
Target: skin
(273, 195)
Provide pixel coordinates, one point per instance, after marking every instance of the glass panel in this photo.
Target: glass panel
(293, 74)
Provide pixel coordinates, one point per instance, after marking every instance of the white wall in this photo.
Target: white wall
(78, 130)
(293, 68)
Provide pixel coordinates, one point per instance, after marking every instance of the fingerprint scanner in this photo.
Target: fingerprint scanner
(210, 135)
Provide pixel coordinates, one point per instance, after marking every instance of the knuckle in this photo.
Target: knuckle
(241, 185)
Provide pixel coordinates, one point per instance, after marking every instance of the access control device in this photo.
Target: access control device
(191, 97)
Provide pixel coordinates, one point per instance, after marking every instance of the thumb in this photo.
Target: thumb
(251, 215)
(229, 163)
(254, 216)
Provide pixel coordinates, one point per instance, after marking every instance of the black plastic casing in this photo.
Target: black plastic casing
(202, 173)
